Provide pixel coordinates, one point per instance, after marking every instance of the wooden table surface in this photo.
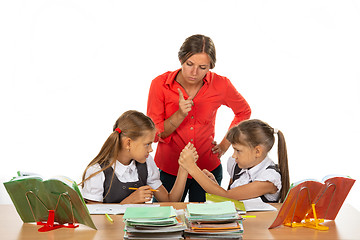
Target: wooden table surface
(346, 226)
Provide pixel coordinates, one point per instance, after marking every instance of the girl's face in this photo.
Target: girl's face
(141, 147)
(195, 68)
(245, 156)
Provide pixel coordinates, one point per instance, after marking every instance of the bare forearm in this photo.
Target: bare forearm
(239, 193)
(172, 123)
(250, 190)
(205, 182)
(179, 186)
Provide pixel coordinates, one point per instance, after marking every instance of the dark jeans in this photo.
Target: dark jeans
(196, 192)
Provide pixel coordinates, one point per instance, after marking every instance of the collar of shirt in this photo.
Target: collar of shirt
(172, 76)
(121, 169)
(254, 171)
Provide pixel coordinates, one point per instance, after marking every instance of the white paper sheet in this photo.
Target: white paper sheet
(114, 208)
(257, 205)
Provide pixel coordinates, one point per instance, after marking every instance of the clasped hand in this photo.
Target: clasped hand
(188, 156)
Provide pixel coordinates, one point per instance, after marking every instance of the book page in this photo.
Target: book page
(114, 208)
(257, 205)
(333, 176)
(68, 181)
(218, 208)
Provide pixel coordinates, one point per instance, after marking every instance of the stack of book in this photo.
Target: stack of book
(153, 223)
(213, 221)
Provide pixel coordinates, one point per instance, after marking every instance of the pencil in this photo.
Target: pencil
(133, 188)
(248, 216)
(109, 218)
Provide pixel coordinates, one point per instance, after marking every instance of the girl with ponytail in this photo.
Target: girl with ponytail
(124, 172)
(253, 173)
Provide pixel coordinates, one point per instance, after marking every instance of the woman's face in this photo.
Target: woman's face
(141, 147)
(195, 68)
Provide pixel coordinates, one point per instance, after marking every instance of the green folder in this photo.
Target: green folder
(215, 198)
(33, 197)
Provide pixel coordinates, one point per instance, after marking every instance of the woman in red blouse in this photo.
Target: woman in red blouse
(183, 105)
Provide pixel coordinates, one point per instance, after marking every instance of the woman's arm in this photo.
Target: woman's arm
(174, 121)
(221, 148)
(234, 100)
(156, 109)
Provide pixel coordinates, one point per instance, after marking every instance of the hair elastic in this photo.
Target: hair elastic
(118, 130)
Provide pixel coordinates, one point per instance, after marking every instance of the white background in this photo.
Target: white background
(68, 69)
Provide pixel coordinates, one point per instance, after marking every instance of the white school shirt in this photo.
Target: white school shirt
(257, 173)
(94, 187)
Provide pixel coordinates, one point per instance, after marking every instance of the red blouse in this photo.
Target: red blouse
(199, 125)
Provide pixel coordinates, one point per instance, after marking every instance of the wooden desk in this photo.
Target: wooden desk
(344, 227)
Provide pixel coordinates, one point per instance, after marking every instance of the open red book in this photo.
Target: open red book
(327, 196)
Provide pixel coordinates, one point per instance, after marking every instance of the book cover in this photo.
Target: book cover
(215, 226)
(151, 213)
(33, 197)
(217, 208)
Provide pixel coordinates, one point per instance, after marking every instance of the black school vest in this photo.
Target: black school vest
(119, 190)
(236, 175)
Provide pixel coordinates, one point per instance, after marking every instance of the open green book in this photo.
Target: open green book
(33, 197)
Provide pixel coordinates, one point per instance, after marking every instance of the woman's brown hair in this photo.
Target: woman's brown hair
(255, 132)
(197, 44)
(133, 124)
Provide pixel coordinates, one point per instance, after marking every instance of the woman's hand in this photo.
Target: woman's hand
(218, 149)
(141, 195)
(184, 105)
